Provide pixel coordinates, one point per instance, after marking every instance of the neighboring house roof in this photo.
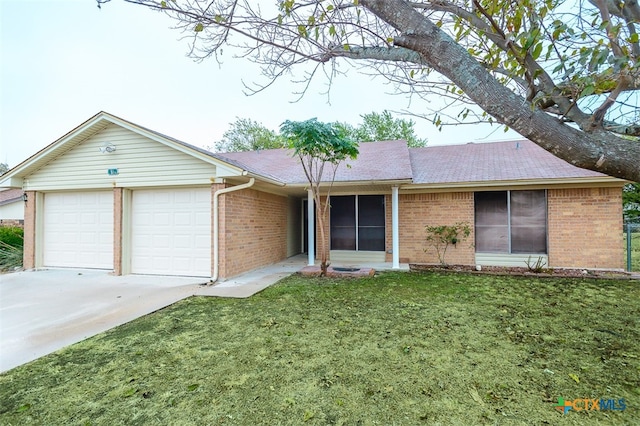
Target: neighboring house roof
(10, 196)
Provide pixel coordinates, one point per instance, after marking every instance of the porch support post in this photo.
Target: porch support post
(311, 227)
(394, 228)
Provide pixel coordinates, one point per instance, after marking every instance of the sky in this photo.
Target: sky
(63, 61)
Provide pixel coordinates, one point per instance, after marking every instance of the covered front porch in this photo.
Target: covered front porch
(359, 233)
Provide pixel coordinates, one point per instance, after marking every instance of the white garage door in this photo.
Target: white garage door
(171, 232)
(78, 230)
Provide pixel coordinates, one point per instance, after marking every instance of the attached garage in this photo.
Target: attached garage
(171, 232)
(78, 229)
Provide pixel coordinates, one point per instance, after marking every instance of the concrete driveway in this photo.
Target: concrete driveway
(43, 311)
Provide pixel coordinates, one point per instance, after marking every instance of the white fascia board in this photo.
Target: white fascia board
(323, 185)
(606, 181)
(50, 150)
(222, 169)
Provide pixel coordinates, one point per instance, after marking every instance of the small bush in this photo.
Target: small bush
(536, 266)
(12, 236)
(440, 237)
(11, 244)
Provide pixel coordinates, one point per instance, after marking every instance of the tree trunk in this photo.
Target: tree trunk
(322, 219)
(589, 148)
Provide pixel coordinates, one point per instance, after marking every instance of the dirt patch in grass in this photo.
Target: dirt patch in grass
(398, 348)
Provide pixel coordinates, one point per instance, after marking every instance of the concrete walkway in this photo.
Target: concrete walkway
(248, 284)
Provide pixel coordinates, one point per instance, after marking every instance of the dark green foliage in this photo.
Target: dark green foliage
(323, 142)
(246, 134)
(11, 242)
(384, 126)
(631, 202)
(12, 236)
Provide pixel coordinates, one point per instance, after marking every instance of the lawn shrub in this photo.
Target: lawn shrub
(11, 248)
(12, 236)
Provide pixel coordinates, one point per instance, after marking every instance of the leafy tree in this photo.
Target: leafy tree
(631, 202)
(246, 134)
(565, 75)
(318, 146)
(383, 126)
(4, 168)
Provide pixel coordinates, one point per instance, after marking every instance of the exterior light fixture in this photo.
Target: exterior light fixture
(25, 198)
(107, 148)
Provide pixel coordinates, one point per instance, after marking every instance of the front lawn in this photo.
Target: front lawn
(397, 349)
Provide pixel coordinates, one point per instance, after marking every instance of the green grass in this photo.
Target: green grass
(397, 349)
(635, 251)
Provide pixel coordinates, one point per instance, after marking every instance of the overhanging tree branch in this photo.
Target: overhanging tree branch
(521, 62)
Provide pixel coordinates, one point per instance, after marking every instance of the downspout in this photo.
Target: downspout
(216, 227)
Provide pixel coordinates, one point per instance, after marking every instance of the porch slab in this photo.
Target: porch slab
(337, 271)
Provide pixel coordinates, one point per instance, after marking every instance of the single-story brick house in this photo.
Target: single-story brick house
(114, 195)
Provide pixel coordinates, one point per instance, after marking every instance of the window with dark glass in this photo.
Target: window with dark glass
(511, 222)
(357, 222)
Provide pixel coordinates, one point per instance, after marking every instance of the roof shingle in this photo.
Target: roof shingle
(393, 160)
(484, 162)
(377, 161)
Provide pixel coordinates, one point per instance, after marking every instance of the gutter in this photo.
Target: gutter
(216, 227)
(604, 181)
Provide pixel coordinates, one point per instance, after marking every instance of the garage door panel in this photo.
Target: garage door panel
(78, 230)
(162, 242)
(183, 218)
(167, 232)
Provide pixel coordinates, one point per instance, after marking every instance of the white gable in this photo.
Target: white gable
(139, 161)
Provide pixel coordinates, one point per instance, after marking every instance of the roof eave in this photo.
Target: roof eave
(390, 182)
(14, 177)
(600, 181)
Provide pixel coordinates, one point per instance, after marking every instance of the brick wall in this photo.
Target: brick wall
(29, 254)
(585, 228)
(253, 231)
(419, 210)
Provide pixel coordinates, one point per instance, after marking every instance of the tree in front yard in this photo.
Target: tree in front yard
(565, 75)
(319, 146)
